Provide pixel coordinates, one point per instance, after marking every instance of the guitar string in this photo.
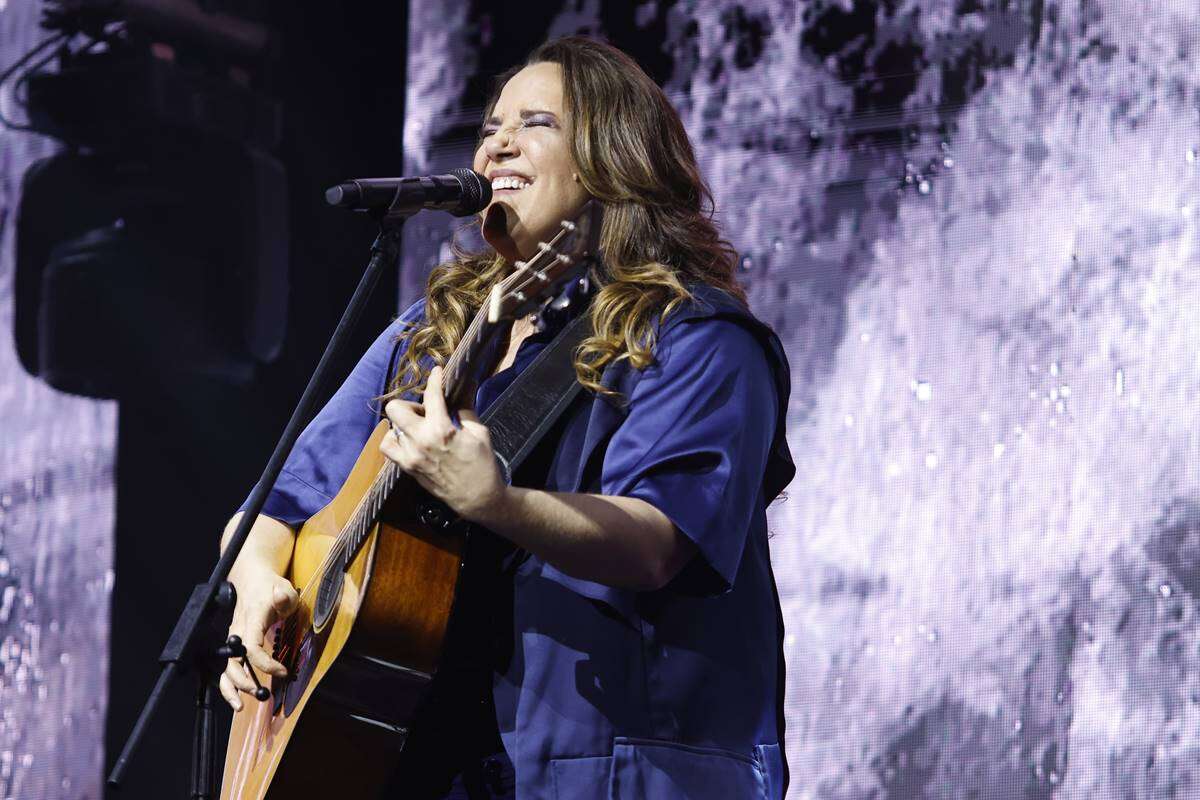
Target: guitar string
(288, 628)
(359, 523)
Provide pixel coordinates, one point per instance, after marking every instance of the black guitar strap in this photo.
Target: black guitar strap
(529, 407)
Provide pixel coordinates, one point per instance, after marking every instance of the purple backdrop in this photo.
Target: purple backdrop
(974, 226)
(56, 526)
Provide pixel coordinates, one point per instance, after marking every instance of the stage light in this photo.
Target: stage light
(155, 244)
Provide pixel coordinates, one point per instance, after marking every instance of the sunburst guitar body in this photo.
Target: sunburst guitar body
(377, 590)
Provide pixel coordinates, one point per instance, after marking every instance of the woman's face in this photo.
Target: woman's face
(525, 155)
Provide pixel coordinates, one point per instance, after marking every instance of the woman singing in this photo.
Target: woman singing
(629, 640)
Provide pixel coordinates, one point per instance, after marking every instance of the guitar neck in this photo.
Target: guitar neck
(473, 359)
(475, 352)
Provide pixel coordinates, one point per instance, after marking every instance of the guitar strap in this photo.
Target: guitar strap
(529, 407)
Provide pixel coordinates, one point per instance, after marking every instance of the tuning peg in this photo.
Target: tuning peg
(544, 247)
(542, 276)
(518, 265)
(568, 225)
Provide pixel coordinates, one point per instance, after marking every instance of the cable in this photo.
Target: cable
(22, 61)
(18, 95)
(101, 36)
(106, 37)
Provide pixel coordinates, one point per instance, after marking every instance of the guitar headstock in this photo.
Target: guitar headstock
(565, 257)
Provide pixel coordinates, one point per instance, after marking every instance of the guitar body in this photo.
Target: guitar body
(356, 677)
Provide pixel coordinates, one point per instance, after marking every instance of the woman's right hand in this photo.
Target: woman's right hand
(263, 598)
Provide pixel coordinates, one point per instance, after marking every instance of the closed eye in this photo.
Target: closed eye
(529, 123)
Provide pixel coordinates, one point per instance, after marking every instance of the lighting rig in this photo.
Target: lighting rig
(155, 242)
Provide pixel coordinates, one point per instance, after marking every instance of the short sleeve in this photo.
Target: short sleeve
(696, 439)
(327, 449)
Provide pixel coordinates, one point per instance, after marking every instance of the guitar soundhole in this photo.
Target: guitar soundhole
(303, 665)
(298, 648)
(328, 595)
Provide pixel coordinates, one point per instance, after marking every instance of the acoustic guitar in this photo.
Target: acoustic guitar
(377, 589)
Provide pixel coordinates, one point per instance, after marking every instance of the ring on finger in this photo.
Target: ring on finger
(398, 435)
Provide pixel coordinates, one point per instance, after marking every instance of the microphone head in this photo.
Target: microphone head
(340, 195)
(477, 192)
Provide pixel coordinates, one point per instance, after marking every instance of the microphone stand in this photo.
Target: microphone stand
(197, 644)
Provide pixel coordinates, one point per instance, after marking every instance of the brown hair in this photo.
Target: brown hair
(657, 235)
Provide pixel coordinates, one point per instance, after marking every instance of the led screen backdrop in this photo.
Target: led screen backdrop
(56, 526)
(974, 226)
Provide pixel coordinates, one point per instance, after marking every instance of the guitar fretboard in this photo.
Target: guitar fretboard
(360, 524)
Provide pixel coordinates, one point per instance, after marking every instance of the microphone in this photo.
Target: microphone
(461, 192)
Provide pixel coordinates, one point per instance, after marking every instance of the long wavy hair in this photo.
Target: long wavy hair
(657, 236)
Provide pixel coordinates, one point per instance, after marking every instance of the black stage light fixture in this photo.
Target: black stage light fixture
(155, 244)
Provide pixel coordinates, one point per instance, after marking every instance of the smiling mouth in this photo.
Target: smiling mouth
(509, 183)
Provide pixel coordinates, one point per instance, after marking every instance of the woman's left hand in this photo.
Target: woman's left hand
(456, 465)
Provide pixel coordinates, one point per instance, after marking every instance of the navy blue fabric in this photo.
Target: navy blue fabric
(606, 692)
